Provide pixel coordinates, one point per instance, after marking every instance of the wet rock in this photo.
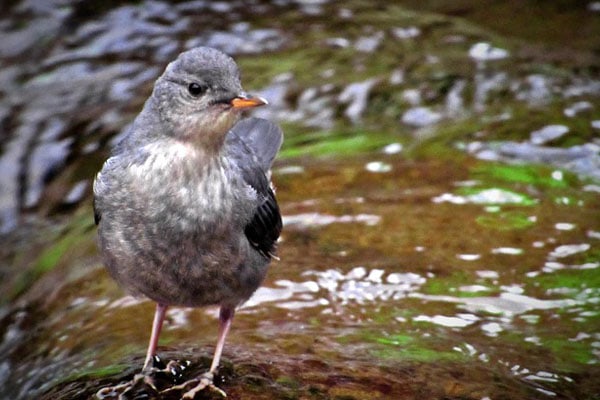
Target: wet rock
(577, 107)
(412, 96)
(356, 95)
(594, 6)
(315, 108)
(43, 26)
(45, 161)
(581, 87)
(313, 7)
(135, 75)
(396, 77)
(487, 83)
(159, 11)
(276, 93)
(420, 117)
(220, 6)
(77, 192)
(368, 44)
(9, 78)
(166, 49)
(338, 42)
(454, 99)
(345, 13)
(536, 90)
(124, 31)
(406, 33)
(583, 159)
(529, 152)
(9, 196)
(486, 52)
(241, 42)
(191, 6)
(328, 73)
(548, 134)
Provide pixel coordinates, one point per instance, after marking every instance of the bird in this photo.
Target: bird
(185, 207)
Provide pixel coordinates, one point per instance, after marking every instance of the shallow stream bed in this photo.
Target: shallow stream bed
(439, 184)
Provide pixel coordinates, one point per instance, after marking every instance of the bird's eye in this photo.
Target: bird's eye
(196, 89)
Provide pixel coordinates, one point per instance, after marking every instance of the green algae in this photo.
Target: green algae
(76, 238)
(423, 355)
(446, 284)
(538, 176)
(95, 373)
(339, 146)
(506, 220)
(570, 355)
(570, 279)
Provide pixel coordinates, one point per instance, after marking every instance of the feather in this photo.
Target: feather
(253, 144)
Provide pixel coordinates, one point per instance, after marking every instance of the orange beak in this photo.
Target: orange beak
(244, 100)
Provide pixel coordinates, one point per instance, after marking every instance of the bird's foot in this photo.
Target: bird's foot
(193, 386)
(150, 379)
(124, 389)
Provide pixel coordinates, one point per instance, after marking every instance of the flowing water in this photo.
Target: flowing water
(441, 205)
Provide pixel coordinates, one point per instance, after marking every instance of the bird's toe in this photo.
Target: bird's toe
(124, 390)
(194, 386)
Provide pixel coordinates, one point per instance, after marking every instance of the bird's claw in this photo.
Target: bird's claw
(121, 390)
(156, 377)
(150, 377)
(204, 381)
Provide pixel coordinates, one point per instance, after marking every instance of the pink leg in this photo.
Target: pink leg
(206, 379)
(159, 317)
(225, 318)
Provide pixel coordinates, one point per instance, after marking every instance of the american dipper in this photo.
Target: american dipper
(185, 209)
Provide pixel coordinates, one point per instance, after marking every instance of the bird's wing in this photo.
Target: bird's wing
(262, 137)
(253, 144)
(265, 227)
(104, 185)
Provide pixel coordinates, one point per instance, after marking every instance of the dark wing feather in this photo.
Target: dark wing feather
(97, 215)
(265, 227)
(253, 144)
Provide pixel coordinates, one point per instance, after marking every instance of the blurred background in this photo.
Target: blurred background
(439, 184)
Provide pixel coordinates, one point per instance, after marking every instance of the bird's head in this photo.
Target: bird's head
(199, 97)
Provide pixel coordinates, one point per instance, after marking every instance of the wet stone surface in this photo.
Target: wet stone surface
(439, 187)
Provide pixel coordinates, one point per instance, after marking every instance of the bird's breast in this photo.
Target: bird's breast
(186, 190)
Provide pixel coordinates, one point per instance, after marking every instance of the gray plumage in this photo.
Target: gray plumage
(185, 210)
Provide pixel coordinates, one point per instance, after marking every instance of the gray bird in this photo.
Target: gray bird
(185, 209)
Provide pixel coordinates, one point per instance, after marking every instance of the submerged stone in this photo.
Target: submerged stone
(420, 117)
(548, 133)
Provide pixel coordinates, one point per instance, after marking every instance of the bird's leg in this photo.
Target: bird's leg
(159, 317)
(225, 318)
(206, 380)
(144, 377)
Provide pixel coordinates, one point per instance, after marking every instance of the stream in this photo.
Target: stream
(439, 185)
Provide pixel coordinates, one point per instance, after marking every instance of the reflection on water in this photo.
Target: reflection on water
(317, 219)
(508, 304)
(331, 286)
